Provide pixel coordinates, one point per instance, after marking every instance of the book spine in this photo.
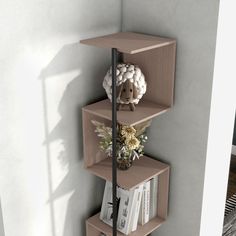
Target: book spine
(147, 202)
(125, 211)
(153, 197)
(121, 219)
(104, 201)
(137, 208)
(133, 208)
(141, 211)
(106, 210)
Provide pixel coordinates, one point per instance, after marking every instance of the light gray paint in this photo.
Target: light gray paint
(179, 137)
(46, 78)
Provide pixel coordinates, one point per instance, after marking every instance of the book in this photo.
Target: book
(145, 204)
(136, 208)
(153, 196)
(106, 214)
(127, 203)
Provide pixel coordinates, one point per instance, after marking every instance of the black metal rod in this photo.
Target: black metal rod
(114, 135)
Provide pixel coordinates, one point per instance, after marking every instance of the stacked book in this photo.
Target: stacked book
(135, 206)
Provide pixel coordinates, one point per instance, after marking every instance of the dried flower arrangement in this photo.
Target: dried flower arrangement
(129, 144)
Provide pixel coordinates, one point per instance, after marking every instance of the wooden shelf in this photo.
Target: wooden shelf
(154, 55)
(128, 42)
(95, 226)
(156, 58)
(145, 110)
(142, 170)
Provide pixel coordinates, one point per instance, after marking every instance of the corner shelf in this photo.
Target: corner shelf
(142, 170)
(94, 227)
(129, 42)
(154, 55)
(156, 58)
(145, 110)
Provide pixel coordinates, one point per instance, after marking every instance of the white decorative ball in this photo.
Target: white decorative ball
(124, 72)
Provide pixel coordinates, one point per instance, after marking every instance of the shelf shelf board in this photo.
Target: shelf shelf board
(145, 110)
(142, 170)
(144, 230)
(128, 42)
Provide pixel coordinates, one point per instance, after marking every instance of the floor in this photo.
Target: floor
(232, 178)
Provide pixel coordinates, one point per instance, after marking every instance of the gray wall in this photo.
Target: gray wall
(46, 77)
(179, 137)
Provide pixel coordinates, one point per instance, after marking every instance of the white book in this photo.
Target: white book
(137, 208)
(106, 210)
(145, 204)
(127, 202)
(106, 214)
(153, 197)
(133, 210)
(132, 217)
(141, 210)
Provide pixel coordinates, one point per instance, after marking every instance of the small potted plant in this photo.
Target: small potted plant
(129, 144)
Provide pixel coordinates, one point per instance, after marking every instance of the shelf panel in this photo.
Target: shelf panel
(145, 110)
(142, 170)
(128, 42)
(144, 230)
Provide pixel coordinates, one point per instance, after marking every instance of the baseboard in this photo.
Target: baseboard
(234, 150)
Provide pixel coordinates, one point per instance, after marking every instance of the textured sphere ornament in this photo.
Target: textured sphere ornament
(130, 82)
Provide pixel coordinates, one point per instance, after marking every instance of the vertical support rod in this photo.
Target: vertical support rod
(114, 135)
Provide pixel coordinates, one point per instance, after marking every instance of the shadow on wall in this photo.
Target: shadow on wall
(2, 232)
(78, 92)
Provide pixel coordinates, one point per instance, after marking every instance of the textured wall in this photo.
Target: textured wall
(179, 137)
(46, 77)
